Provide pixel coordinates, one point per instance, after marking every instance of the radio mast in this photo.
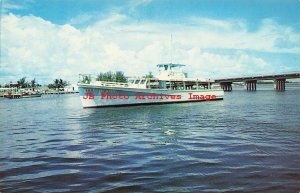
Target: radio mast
(171, 48)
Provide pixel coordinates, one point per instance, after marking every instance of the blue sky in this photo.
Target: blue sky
(46, 39)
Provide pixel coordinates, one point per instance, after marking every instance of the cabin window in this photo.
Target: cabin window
(166, 67)
(137, 81)
(143, 81)
(131, 81)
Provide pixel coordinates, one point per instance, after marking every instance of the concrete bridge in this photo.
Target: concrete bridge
(251, 81)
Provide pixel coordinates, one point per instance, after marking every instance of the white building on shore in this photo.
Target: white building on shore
(71, 88)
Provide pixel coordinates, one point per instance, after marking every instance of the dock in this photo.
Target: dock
(17, 95)
(58, 92)
(12, 96)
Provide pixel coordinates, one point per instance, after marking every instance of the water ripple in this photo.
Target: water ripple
(227, 146)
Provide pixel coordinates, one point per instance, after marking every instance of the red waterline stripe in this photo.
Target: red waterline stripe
(160, 103)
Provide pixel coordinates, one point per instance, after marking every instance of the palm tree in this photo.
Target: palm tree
(33, 84)
(56, 84)
(150, 75)
(22, 83)
(61, 83)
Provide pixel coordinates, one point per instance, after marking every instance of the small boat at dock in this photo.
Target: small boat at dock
(30, 94)
(18, 95)
(12, 95)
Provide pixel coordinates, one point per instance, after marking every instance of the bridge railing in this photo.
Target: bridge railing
(257, 75)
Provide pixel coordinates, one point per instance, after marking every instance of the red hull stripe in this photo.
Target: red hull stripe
(156, 103)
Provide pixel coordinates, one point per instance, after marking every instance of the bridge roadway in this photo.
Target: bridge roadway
(251, 81)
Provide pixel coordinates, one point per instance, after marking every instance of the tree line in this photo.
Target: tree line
(109, 76)
(58, 83)
(117, 76)
(22, 83)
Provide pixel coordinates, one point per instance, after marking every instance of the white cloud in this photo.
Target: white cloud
(32, 46)
(81, 19)
(6, 6)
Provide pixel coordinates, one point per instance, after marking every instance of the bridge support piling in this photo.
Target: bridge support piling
(251, 81)
(250, 85)
(279, 85)
(226, 86)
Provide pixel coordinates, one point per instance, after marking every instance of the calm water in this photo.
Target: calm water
(250, 142)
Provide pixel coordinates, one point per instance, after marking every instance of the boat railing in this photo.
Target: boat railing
(109, 84)
(91, 80)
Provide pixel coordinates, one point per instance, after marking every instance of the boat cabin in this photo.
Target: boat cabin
(170, 76)
(137, 82)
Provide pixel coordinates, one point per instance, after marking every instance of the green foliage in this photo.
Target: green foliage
(86, 79)
(111, 77)
(150, 75)
(58, 83)
(33, 83)
(51, 86)
(120, 77)
(22, 83)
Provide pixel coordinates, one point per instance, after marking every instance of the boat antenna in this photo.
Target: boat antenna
(171, 48)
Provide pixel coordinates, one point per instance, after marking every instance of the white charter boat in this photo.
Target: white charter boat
(171, 86)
